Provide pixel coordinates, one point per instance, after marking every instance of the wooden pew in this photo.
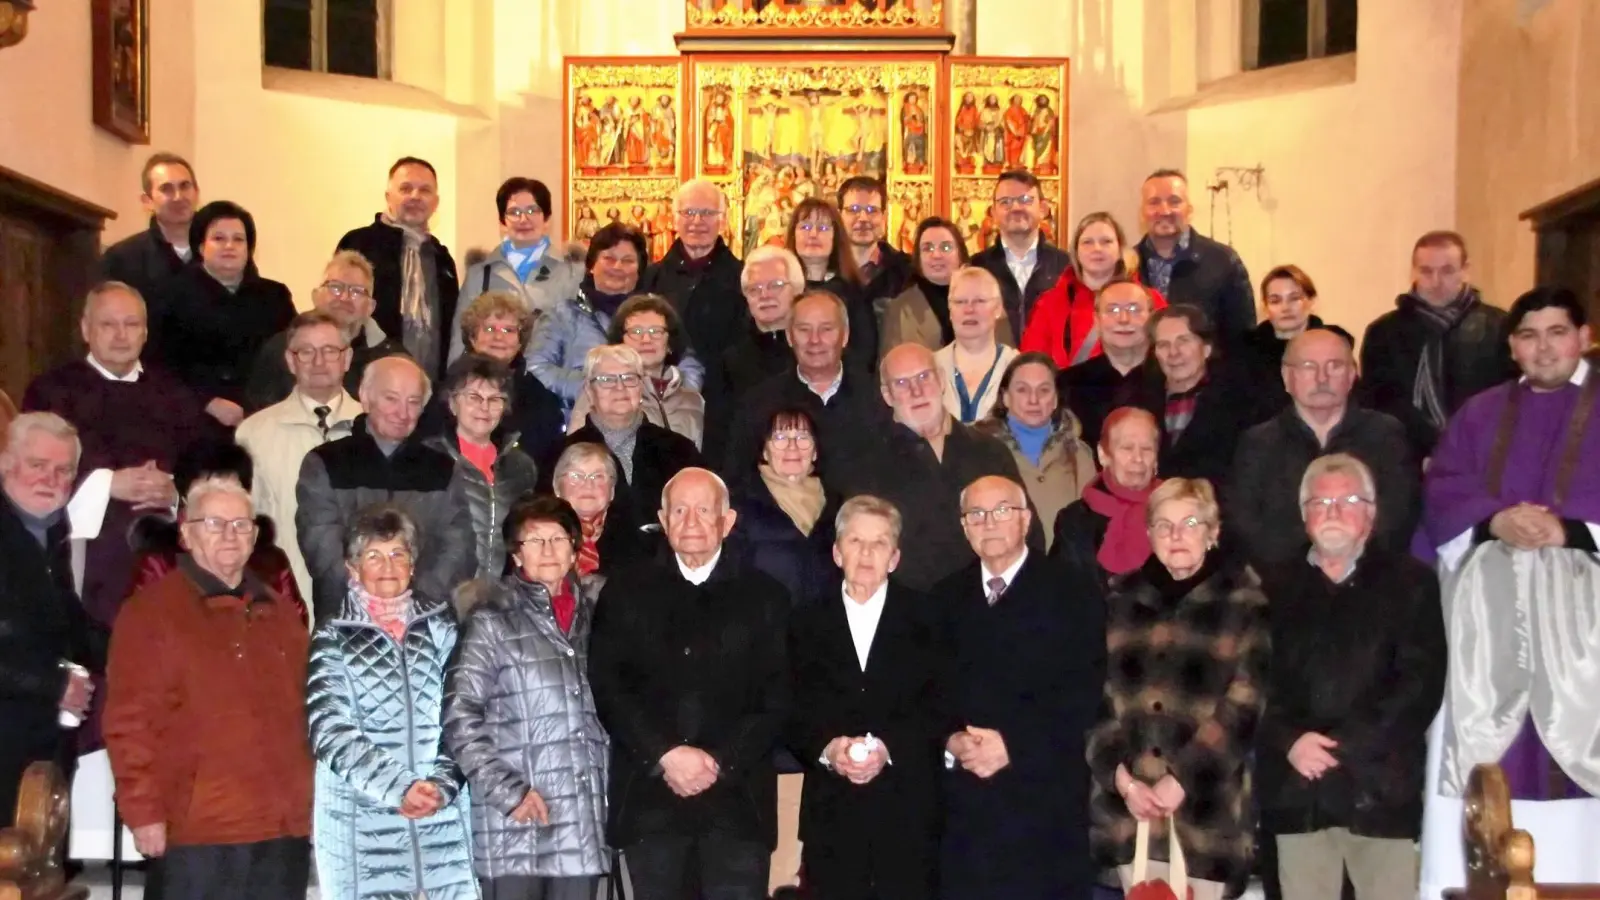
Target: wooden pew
(30, 851)
(1499, 856)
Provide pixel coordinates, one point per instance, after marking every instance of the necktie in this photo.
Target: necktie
(997, 586)
(322, 420)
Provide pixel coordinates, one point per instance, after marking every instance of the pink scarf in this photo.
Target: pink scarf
(1127, 542)
(391, 615)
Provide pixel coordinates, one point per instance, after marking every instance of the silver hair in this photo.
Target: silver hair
(793, 271)
(868, 505)
(227, 485)
(380, 522)
(370, 374)
(695, 183)
(586, 451)
(1337, 464)
(106, 288)
(49, 423)
(617, 353)
(839, 306)
(722, 486)
(979, 274)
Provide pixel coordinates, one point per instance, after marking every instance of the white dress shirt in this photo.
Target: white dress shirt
(863, 619)
(1022, 266)
(1008, 576)
(698, 574)
(826, 393)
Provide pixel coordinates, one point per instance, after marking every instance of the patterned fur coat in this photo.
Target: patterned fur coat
(1185, 669)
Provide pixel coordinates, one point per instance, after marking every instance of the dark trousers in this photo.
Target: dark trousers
(726, 868)
(891, 870)
(512, 887)
(278, 869)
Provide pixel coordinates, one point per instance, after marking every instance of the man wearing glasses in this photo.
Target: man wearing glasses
(1022, 260)
(345, 294)
(699, 275)
(1264, 504)
(885, 271)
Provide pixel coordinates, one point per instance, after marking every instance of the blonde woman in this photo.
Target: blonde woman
(970, 366)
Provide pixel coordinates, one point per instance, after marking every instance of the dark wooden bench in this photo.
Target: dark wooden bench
(31, 850)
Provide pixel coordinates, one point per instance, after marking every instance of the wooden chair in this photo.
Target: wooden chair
(1500, 857)
(8, 411)
(30, 851)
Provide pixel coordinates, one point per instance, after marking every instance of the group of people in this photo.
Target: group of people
(830, 569)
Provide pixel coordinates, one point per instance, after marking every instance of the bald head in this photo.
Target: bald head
(695, 514)
(1319, 371)
(1319, 343)
(995, 517)
(910, 383)
(394, 389)
(114, 326)
(994, 487)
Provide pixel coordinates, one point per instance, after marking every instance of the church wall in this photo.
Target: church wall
(1529, 127)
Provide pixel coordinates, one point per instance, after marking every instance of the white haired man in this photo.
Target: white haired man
(698, 273)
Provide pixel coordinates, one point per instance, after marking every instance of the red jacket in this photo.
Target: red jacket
(1063, 316)
(155, 540)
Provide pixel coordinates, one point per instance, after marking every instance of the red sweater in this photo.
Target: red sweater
(1063, 316)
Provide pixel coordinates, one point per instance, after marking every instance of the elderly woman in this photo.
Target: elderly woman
(649, 324)
(970, 366)
(785, 524)
(1042, 435)
(1187, 652)
(521, 721)
(388, 820)
(645, 454)
(563, 336)
(498, 326)
(1062, 322)
(816, 235)
(921, 314)
(491, 464)
(585, 475)
(1104, 534)
(205, 715)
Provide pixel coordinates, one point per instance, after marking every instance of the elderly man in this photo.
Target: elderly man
(771, 281)
(318, 409)
(43, 627)
(414, 283)
(842, 402)
(699, 274)
(866, 664)
(1121, 310)
(1189, 267)
(1512, 513)
(1319, 370)
(133, 423)
(1023, 260)
(170, 193)
(1358, 668)
(922, 464)
(206, 715)
(687, 659)
(1024, 679)
(384, 460)
(345, 294)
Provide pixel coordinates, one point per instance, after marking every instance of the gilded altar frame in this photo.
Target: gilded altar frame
(747, 19)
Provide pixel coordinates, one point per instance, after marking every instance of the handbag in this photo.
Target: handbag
(1176, 884)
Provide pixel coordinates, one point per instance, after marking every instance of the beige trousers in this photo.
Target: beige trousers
(786, 859)
(1312, 866)
(1202, 889)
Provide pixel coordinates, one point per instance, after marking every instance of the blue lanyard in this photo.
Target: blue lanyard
(969, 404)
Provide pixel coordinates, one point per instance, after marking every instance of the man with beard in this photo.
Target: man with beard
(1188, 267)
(1023, 261)
(170, 195)
(864, 206)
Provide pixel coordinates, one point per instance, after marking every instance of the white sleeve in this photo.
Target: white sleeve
(1594, 532)
(1454, 550)
(86, 511)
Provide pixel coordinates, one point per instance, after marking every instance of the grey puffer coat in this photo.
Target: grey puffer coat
(515, 474)
(519, 716)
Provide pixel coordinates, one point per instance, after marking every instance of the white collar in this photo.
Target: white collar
(699, 574)
(826, 393)
(373, 333)
(1579, 375)
(138, 369)
(1009, 575)
(876, 600)
(1033, 249)
(335, 406)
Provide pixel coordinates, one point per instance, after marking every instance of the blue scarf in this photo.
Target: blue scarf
(1030, 438)
(523, 259)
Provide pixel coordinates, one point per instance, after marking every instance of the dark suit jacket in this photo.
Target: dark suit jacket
(1019, 299)
(884, 831)
(658, 454)
(709, 299)
(850, 425)
(142, 260)
(209, 336)
(383, 246)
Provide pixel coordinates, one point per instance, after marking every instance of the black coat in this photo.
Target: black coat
(1476, 357)
(1263, 512)
(882, 833)
(1260, 359)
(765, 537)
(709, 300)
(748, 360)
(383, 246)
(675, 664)
(658, 454)
(271, 381)
(1091, 390)
(850, 425)
(1079, 532)
(1209, 274)
(1362, 662)
(1019, 299)
(1205, 448)
(861, 353)
(1032, 667)
(888, 279)
(144, 261)
(210, 337)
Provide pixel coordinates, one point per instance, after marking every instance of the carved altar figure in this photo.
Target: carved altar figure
(914, 135)
(1017, 122)
(719, 134)
(1045, 136)
(968, 140)
(991, 119)
(664, 134)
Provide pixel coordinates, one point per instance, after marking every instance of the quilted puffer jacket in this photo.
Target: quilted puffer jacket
(514, 475)
(519, 716)
(375, 709)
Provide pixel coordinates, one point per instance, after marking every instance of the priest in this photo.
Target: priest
(1512, 516)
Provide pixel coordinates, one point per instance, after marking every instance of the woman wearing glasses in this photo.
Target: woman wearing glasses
(972, 364)
(520, 717)
(649, 324)
(1187, 654)
(816, 235)
(785, 525)
(478, 391)
(586, 477)
(497, 325)
(921, 314)
(391, 814)
(1063, 323)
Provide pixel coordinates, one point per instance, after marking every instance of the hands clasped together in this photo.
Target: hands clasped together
(859, 765)
(689, 770)
(1528, 526)
(1149, 802)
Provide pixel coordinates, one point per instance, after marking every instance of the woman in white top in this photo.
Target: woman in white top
(971, 365)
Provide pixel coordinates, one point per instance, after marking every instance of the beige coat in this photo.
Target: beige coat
(909, 319)
(945, 357)
(680, 409)
(1065, 468)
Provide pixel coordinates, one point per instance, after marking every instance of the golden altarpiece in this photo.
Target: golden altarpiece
(780, 100)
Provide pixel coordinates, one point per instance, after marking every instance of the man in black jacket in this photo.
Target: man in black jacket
(1358, 672)
(43, 627)
(414, 278)
(688, 661)
(1263, 504)
(700, 275)
(1440, 345)
(1025, 264)
(170, 195)
(864, 206)
(1189, 267)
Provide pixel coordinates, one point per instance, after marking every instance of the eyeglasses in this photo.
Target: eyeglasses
(976, 516)
(507, 330)
(309, 354)
(473, 398)
(857, 209)
(903, 385)
(699, 213)
(941, 247)
(1008, 202)
(397, 558)
(218, 525)
(820, 227)
(643, 331)
(1124, 309)
(800, 439)
(1333, 368)
(625, 382)
(554, 542)
(1165, 529)
(1329, 504)
(524, 212)
(578, 479)
(770, 287)
(341, 290)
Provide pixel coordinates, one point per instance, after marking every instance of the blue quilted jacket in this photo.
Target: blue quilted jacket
(375, 709)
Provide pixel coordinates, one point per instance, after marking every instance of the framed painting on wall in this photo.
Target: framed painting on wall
(120, 38)
(623, 155)
(774, 130)
(1005, 114)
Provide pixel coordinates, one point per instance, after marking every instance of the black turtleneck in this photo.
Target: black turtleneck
(1172, 589)
(938, 296)
(599, 300)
